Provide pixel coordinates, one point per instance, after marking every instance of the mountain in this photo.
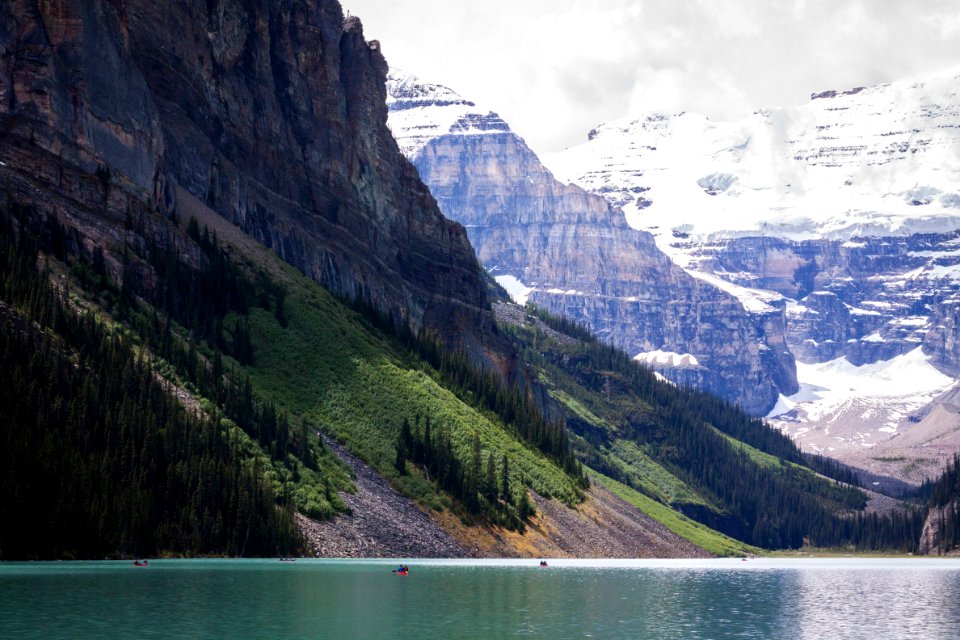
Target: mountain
(573, 253)
(272, 116)
(173, 385)
(234, 322)
(159, 162)
(843, 213)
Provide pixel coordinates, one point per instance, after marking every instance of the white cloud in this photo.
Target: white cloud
(554, 69)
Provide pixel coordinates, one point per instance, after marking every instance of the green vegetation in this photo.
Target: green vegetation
(96, 457)
(267, 359)
(483, 488)
(759, 457)
(696, 453)
(700, 535)
(641, 470)
(330, 364)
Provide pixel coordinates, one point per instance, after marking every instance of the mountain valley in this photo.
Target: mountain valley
(235, 322)
(831, 224)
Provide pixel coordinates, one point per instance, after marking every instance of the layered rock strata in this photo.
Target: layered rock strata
(574, 254)
(845, 211)
(272, 114)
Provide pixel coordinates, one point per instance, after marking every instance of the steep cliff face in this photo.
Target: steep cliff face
(943, 338)
(874, 161)
(575, 254)
(844, 209)
(866, 299)
(271, 113)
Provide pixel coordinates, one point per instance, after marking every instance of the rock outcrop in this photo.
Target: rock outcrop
(574, 254)
(844, 208)
(942, 340)
(273, 114)
(930, 536)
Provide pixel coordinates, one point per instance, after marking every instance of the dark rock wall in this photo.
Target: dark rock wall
(586, 263)
(867, 299)
(270, 112)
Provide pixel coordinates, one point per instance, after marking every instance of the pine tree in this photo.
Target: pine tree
(490, 481)
(525, 508)
(505, 492)
(403, 444)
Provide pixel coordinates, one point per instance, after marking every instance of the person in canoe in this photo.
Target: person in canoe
(543, 563)
(137, 563)
(401, 570)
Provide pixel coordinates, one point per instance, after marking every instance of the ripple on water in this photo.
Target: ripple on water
(870, 599)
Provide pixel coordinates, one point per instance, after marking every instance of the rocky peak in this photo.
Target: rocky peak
(271, 114)
(847, 207)
(573, 253)
(421, 111)
(406, 91)
(864, 161)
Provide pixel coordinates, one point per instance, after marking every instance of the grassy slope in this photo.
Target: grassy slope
(759, 457)
(645, 472)
(656, 487)
(601, 415)
(605, 413)
(691, 530)
(330, 365)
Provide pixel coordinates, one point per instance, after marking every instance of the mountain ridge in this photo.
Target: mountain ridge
(574, 254)
(145, 232)
(842, 211)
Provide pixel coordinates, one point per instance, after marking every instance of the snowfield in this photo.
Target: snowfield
(837, 167)
(840, 404)
(519, 292)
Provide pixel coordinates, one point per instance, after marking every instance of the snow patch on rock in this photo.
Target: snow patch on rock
(660, 359)
(518, 291)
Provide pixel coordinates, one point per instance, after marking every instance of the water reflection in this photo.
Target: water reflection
(765, 599)
(876, 603)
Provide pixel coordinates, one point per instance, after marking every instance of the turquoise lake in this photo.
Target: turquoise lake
(688, 599)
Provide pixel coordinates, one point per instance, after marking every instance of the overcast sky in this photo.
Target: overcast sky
(554, 69)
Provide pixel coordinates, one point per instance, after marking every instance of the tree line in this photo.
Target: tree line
(97, 459)
(483, 487)
(943, 499)
(782, 505)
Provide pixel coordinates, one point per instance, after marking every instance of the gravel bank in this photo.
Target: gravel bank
(383, 523)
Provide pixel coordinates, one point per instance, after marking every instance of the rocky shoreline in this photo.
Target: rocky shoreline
(384, 524)
(381, 523)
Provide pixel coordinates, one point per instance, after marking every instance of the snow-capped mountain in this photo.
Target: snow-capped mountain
(420, 112)
(846, 209)
(573, 253)
(878, 161)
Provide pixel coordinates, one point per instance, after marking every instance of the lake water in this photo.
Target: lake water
(760, 598)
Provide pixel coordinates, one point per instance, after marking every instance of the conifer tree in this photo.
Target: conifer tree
(490, 480)
(505, 492)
